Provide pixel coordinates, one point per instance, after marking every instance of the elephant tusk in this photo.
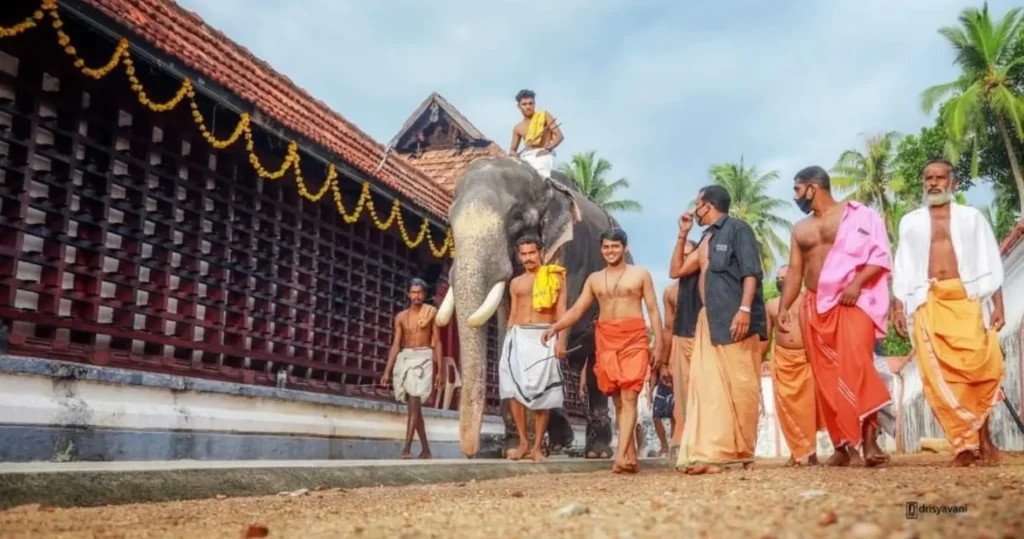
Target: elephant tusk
(444, 313)
(489, 306)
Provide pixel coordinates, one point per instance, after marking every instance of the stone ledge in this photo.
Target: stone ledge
(93, 484)
(66, 370)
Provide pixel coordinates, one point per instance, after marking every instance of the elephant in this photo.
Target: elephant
(496, 201)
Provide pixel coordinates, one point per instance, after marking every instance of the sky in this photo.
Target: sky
(662, 89)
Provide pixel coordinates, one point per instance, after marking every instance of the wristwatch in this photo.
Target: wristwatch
(745, 309)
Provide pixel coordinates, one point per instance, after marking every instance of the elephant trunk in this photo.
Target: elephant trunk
(480, 271)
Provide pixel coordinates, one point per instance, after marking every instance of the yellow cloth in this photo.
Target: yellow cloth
(426, 316)
(535, 133)
(960, 362)
(546, 285)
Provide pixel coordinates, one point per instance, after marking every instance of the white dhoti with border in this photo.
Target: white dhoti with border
(528, 371)
(414, 373)
(543, 164)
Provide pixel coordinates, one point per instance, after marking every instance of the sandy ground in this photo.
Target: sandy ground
(768, 501)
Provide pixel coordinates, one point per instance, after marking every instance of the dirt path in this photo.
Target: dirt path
(766, 502)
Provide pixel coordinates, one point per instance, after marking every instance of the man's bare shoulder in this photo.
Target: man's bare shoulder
(518, 279)
(520, 128)
(804, 225)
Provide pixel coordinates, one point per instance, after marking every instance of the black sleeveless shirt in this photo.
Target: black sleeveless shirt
(687, 306)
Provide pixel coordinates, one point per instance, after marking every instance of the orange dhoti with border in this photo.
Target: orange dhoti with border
(795, 400)
(623, 355)
(723, 400)
(960, 362)
(841, 346)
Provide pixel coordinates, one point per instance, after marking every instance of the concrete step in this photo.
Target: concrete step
(79, 484)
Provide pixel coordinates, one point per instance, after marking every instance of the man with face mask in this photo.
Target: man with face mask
(415, 361)
(841, 253)
(793, 383)
(946, 283)
(724, 397)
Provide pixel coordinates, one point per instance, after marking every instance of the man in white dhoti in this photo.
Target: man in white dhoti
(414, 366)
(539, 133)
(529, 372)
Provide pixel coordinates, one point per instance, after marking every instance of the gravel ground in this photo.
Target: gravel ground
(768, 501)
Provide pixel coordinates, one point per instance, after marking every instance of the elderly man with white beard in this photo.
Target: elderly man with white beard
(946, 282)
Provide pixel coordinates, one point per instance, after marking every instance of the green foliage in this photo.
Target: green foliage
(590, 176)
(770, 290)
(894, 345)
(985, 100)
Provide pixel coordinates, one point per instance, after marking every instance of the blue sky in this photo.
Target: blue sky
(662, 89)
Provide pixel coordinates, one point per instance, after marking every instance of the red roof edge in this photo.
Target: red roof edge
(173, 30)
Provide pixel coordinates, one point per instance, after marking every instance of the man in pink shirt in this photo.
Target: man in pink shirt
(842, 252)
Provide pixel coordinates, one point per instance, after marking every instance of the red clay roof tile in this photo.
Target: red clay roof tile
(446, 165)
(183, 34)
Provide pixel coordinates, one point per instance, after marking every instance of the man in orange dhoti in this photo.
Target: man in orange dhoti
(947, 268)
(842, 254)
(793, 382)
(724, 395)
(622, 350)
(682, 305)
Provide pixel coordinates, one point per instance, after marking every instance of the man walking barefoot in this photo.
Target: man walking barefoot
(622, 353)
(841, 253)
(414, 361)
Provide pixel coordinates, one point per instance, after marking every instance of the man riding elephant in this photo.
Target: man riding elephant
(498, 201)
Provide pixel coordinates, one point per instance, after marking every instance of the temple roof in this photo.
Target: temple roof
(441, 142)
(167, 27)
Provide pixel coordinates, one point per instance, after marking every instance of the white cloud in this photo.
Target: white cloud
(660, 89)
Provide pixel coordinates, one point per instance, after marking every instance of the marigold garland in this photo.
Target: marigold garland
(292, 159)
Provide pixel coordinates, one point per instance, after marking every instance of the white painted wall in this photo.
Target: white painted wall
(40, 400)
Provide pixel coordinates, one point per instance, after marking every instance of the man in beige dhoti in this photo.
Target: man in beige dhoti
(414, 363)
(724, 394)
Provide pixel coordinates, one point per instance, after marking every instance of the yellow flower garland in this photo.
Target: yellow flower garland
(292, 160)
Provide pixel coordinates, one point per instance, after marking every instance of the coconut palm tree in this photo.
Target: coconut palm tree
(871, 178)
(748, 190)
(1001, 212)
(590, 177)
(983, 94)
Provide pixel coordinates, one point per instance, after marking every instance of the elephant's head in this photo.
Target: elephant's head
(496, 202)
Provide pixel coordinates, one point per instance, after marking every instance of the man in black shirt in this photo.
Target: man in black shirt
(725, 366)
(680, 324)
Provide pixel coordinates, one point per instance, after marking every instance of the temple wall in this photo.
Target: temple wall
(62, 411)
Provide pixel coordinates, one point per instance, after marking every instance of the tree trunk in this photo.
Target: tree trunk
(1014, 163)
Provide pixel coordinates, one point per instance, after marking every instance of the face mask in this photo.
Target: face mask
(804, 203)
(700, 218)
(778, 284)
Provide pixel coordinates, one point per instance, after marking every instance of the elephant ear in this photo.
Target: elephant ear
(556, 225)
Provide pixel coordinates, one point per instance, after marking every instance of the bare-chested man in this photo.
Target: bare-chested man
(723, 402)
(528, 371)
(793, 382)
(414, 362)
(947, 268)
(622, 354)
(539, 132)
(841, 253)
